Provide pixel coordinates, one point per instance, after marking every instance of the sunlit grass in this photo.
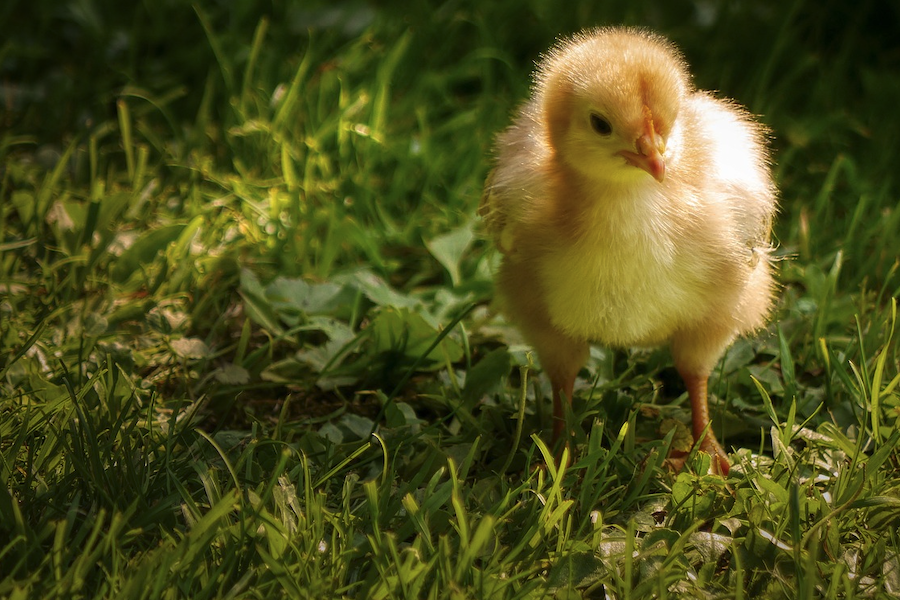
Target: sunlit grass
(246, 343)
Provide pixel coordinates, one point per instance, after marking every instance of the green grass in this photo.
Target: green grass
(246, 345)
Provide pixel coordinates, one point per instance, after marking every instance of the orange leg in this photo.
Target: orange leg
(700, 424)
(561, 356)
(562, 392)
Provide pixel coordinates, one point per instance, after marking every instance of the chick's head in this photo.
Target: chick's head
(609, 99)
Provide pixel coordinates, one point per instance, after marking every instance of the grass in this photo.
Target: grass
(246, 345)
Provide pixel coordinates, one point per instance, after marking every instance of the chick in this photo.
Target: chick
(631, 210)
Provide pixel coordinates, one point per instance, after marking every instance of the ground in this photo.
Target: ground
(248, 348)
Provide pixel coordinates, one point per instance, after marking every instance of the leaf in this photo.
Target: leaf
(683, 439)
(376, 289)
(788, 375)
(409, 413)
(711, 546)
(487, 376)
(331, 433)
(232, 374)
(45, 390)
(361, 427)
(768, 376)
(408, 333)
(398, 414)
(660, 536)
(778, 493)
(296, 296)
(60, 218)
(191, 348)
(739, 355)
(256, 304)
(448, 249)
(144, 251)
(689, 493)
(24, 202)
(95, 325)
(576, 570)
(165, 320)
(324, 355)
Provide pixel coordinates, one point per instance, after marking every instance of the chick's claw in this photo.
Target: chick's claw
(719, 462)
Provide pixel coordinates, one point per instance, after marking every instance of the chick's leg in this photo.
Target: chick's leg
(562, 368)
(561, 358)
(560, 355)
(701, 426)
(695, 354)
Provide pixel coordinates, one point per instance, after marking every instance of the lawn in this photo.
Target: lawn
(247, 340)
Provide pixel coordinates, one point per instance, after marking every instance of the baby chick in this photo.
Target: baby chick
(631, 210)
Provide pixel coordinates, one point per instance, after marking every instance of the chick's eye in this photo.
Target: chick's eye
(600, 125)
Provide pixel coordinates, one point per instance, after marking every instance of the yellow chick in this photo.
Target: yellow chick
(631, 210)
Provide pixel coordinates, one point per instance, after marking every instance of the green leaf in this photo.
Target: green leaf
(376, 289)
(191, 348)
(576, 570)
(325, 355)
(292, 296)
(691, 495)
(361, 427)
(24, 202)
(332, 433)
(256, 304)
(95, 324)
(487, 375)
(144, 251)
(408, 333)
(787, 365)
(739, 355)
(448, 249)
(777, 491)
(232, 374)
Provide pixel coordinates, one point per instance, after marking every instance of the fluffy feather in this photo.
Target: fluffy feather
(631, 210)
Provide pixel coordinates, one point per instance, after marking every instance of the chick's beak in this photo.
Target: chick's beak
(651, 148)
